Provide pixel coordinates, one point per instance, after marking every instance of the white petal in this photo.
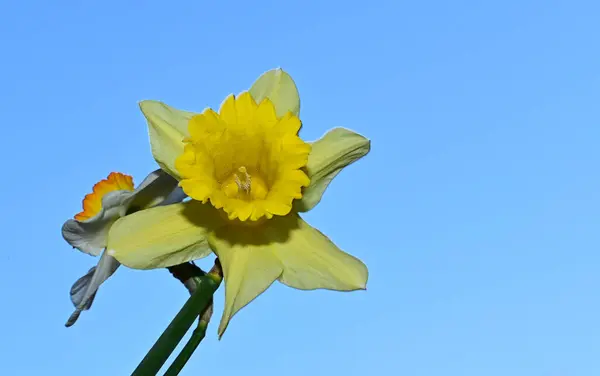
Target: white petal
(89, 236)
(85, 288)
(79, 289)
(176, 196)
(155, 189)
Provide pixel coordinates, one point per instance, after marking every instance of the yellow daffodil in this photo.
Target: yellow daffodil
(249, 174)
(111, 198)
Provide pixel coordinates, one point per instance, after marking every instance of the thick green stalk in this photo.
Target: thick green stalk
(168, 341)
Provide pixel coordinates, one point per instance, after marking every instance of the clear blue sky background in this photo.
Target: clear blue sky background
(477, 210)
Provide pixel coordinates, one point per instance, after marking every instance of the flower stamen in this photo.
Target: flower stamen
(246, 185)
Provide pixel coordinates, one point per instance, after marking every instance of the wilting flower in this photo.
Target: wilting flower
(249, 174)
(111, 198)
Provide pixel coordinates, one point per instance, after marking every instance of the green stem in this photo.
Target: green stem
(196, 337)
(168, 341)
(188, 349)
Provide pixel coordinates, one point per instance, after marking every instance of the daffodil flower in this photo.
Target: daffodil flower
(111, 198)
(249, 175)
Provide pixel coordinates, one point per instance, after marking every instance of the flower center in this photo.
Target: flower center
(243, 186)
(244, 159)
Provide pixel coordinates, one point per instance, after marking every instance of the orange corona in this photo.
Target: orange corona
(92, 203)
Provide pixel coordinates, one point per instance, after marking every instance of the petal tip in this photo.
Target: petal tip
(73, 318)
(146, 103)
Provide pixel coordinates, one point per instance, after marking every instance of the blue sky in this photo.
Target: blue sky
(476, 210)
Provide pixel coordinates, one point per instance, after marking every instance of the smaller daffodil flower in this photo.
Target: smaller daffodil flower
(111, 198)
(249, 174)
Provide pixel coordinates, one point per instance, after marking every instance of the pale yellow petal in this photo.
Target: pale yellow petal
(284, 248)
(163, 236)
(280, 88)
(167, 127)
(249, 266)
(329, 155)
(312, 261)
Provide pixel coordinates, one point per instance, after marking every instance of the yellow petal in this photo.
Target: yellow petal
(280, 88)
(329, 155)
(167, 128)
(163, 236)
(311, 261)
(241, 162)
(284, 248)
(249, 266)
